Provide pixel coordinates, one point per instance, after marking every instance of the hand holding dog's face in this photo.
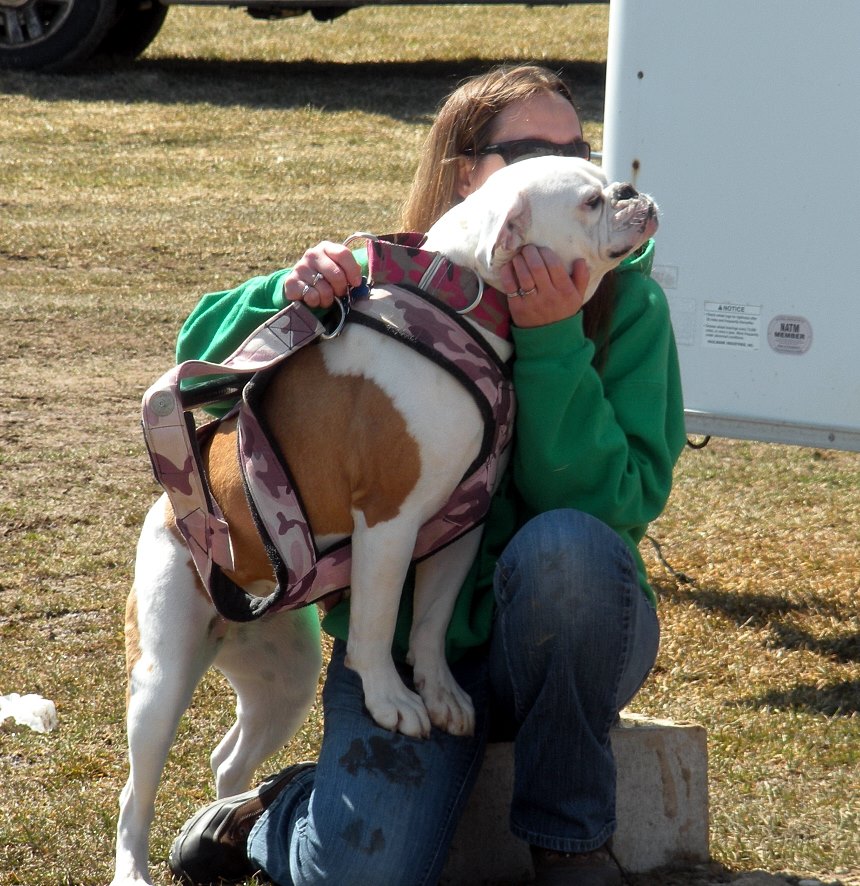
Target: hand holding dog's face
(553, 294)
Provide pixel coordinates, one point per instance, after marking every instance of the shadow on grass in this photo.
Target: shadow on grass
(842, 647)
(836, 700)
(748, 610)
(767, 612)
(712, 873)
(408, 91)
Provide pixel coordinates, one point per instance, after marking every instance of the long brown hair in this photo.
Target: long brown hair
(463, 125)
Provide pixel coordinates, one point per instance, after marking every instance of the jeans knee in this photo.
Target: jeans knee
(563, 532)
(563, 557)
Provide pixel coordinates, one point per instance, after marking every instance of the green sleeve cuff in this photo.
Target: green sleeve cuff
(551, 340)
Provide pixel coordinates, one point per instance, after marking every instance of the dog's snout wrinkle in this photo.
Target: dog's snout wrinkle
(633, 212)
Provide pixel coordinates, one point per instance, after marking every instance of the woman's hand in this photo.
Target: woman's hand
(325, 272)
(549, 293)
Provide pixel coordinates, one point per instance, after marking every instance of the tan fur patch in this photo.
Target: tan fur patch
(345, 441)
(132, 640)
(347, 447)
(225, 480)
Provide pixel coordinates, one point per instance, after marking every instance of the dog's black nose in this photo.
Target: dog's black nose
(626, 192)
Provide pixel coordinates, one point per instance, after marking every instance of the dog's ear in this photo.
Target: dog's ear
(509, 235)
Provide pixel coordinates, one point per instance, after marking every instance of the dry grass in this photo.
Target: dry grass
(761, 642)
(233, 144)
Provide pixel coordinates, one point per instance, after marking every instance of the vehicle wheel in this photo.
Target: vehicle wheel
(136, 25)
(52, 35)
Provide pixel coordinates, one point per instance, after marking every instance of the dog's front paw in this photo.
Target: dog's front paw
(400, 711)
(450, 707)
(389, 702)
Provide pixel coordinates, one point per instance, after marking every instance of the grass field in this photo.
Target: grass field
(125, 194)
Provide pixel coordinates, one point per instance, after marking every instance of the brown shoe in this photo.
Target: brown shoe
(595, 868)
(211, 847)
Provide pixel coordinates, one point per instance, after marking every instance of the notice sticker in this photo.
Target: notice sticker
(789, 335)
(732, 326)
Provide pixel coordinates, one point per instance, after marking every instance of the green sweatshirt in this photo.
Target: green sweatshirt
(605, 444)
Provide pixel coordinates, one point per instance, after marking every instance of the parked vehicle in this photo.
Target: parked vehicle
(59, 35)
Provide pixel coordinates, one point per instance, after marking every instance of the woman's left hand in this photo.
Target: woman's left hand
(550, 294)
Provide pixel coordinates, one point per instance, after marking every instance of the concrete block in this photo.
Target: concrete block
(661, 806)
(662, 801)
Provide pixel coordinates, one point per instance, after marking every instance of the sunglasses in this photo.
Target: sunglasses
(525, 148)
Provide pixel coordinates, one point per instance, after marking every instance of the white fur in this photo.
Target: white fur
(561, 203)
(181, 636)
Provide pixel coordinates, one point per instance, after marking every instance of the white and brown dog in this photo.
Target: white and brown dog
(375, 456)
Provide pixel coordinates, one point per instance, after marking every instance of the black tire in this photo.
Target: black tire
(52, 35)
(136, 26)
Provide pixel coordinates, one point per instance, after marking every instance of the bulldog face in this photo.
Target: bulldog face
(563, 203)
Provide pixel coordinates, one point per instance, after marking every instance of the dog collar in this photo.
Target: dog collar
(397, 259)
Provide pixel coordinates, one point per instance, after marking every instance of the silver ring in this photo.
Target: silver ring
(518, 294)
(343, 304)
(306, 289)
(531, 291)
(477, 300)
(316, 279)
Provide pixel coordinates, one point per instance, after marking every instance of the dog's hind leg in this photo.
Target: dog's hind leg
(273, 665)
(171, 639)
(437, 582)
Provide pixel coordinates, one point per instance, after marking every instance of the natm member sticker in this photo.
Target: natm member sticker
(789, 335)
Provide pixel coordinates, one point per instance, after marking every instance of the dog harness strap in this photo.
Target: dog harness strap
(436, 332)
(172, 440)
(303, 574)
(426, 321)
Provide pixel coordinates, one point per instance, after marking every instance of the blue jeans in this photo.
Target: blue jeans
(573, 640)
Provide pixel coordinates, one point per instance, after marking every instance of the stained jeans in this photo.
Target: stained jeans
(573, 640)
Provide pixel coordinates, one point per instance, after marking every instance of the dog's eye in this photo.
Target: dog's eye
(594, 200)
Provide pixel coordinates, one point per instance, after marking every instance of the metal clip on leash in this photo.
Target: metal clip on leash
(343, 303)
(356, 292)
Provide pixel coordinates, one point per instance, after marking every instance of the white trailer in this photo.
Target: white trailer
(743, 121)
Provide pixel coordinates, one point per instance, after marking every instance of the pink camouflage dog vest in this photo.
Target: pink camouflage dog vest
(416, 297)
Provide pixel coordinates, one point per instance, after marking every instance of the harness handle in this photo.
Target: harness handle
(360, 235)
(429, 273)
